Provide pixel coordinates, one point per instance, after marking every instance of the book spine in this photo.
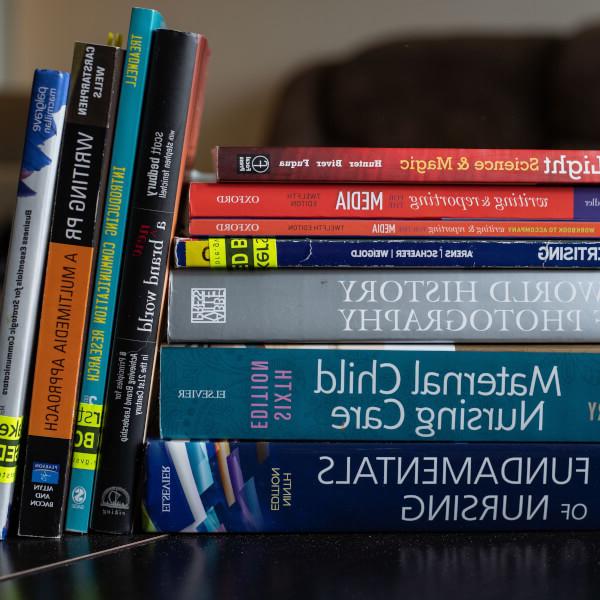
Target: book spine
(25, 266)
(110, 252)
(378, 305)
(202, 487)
(156, 187)
(263, 253)
(73, 239)
(331, 201)
(437, 228)
(329, 394)
(406, 165)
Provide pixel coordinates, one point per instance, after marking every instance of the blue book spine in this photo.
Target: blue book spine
(258, 393)
(202, 487)
(118, 190)
(25, 266)
(257, 253)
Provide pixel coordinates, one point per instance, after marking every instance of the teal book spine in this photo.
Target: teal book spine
(370, 394)
(100, 329)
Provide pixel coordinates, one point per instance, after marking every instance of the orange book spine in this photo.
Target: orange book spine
(73, 239)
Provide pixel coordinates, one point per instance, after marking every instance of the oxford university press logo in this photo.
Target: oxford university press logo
(253, 164)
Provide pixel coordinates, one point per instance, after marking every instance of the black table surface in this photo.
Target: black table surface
(482, 566)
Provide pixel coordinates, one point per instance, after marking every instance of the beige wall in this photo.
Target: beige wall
(256, 43)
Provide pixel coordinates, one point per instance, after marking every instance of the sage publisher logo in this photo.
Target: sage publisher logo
(257, 164)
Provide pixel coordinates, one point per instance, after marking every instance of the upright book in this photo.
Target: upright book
(74, 232)
(406, 165)
(175, 82)
(320, 305)
(206, 487)
(102, 315)
(25, 266)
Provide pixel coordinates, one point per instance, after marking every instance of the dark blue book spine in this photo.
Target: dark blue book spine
(202, 487)
(259, 253)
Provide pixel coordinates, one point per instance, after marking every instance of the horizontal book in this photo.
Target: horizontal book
(320, 305)
(261, 253)
(408, 228)
(405, 165)
(202, 487)
(371, 394)
(337, 201)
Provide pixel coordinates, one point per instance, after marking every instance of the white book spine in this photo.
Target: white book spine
(25, 267)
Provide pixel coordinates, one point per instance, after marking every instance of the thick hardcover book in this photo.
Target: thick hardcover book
(428, 228)
(73, 238)
(202, 487)
(371, 394)
(283, 305)
(25, 266)
(110, 251)
(175, 62)
(264, 253)
(331, 201)
(406, 165)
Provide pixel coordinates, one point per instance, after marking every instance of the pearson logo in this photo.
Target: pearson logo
(47, 473)
(257, 164)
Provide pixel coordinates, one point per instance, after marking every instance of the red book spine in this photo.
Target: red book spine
(405, 228)
(392, 201)
(406, 165)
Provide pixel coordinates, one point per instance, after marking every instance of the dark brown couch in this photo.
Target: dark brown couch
(461, 91)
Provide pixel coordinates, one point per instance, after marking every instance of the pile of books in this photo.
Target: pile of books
(358, 339)
(101, 177)
(411, 344)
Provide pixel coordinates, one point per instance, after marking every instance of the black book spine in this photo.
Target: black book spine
(74, 232)
(142, 287)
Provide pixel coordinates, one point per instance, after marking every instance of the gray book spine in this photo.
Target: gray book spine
(399, 306)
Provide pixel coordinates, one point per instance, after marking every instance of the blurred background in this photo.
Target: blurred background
(346, 72)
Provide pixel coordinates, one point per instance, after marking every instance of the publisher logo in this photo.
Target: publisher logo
(78, 495)
(208, 305)
(257, 164)
(115, 497)
(47, 473)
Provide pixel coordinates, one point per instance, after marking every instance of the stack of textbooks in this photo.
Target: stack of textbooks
(102, 172)
(367, 339)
